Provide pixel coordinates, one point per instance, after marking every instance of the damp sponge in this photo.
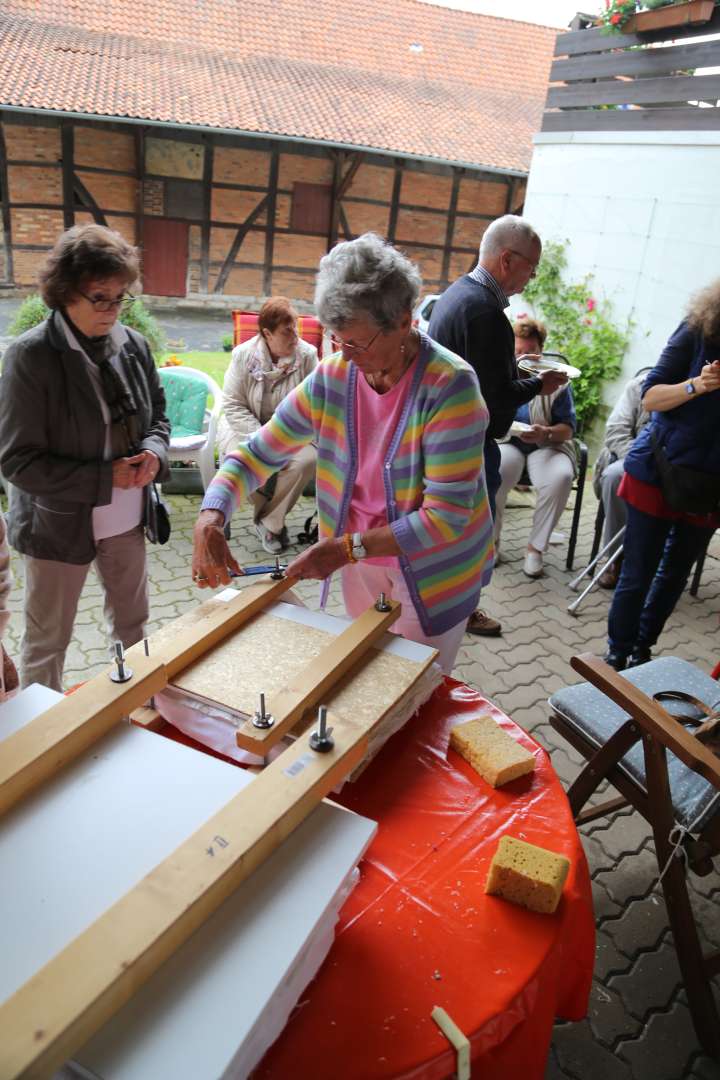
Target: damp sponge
(528, 875)
(491, 751)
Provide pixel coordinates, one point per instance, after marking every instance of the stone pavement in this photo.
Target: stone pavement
(638, 1025)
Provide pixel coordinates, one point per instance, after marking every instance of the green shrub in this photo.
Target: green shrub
(227, 342)
(33, 310)
(581, 327)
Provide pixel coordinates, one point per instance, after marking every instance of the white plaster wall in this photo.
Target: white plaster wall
(641, 213)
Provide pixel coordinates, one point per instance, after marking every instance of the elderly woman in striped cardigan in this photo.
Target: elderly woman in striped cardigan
(399, 425)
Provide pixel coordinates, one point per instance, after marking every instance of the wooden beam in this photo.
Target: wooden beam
(596, 40)
(206, 216)
(87, 201)
(450, 227)
(139, 134)
(237, 243)
(344, 224)
(49, 1018)
(5, 210)
(67, 143)
(270, 230)
(310, 685)
(395, 199)
(680, 88)
(691, 118)
(338, 158)
(636, 62)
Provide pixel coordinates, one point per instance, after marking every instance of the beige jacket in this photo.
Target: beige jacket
(254, 387)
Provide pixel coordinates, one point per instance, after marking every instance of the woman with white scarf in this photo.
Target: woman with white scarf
(262, 372)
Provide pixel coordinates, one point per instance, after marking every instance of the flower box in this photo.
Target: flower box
(692, 13)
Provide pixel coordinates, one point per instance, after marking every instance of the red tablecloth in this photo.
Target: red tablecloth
(419, 930)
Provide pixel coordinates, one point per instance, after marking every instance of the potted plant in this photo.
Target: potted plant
(622, 15)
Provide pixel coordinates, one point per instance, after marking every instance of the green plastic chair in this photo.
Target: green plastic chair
(193, 426)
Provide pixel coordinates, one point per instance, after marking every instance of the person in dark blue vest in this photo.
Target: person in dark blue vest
(671, 483)
(469, 318)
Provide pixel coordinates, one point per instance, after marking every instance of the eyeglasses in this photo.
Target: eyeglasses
(530, 262)
(338, 344)
(101, 304)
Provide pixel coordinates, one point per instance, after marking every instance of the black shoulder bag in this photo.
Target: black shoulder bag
(686, 490)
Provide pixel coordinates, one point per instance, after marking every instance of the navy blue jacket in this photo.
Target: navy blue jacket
(689, 433)
(468, 321)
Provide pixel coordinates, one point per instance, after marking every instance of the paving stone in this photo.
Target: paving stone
(633, 877)
(608, 1016)
(704, 1068)
(582, 1057)
(640, 927)
(626, 833)
(608, 958)
(666, 1048)
(603, 904)
(652, 982)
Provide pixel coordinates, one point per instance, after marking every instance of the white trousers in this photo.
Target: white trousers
(361, 586)
(551, 474)
(615, 515)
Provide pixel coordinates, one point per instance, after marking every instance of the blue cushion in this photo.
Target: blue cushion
(596, 717)
(186, 399)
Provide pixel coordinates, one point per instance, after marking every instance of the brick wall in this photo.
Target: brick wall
(105, 162)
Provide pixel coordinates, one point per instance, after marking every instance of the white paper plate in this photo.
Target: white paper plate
(536, 367)
(519, 428)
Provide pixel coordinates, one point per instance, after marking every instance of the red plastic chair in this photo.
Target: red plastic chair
(245, 326)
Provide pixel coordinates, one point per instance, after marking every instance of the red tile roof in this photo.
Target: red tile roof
(401, 76)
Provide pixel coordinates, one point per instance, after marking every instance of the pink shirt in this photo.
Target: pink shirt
(376, 418)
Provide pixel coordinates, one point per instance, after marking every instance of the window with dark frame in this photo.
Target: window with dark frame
(310, 209)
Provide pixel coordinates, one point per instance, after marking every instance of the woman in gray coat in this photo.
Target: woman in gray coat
(83, 432)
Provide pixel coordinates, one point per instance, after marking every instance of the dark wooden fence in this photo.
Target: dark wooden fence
(634, 81)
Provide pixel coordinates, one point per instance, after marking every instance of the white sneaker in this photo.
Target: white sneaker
(533, 565)
(270, 541)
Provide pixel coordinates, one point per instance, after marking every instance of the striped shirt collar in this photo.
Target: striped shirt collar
(484, 277)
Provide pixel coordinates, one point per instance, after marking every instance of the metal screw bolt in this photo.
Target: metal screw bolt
(321, 740)
(121, 673)
(277, 574)
(263, 719)
(382, 603)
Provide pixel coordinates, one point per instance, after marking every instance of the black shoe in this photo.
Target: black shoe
(615, 660)
(640, 655)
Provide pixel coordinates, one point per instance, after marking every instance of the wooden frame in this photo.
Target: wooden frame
(54, 1013)
(658, 732)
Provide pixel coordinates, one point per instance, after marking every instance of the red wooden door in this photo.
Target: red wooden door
(165, 257)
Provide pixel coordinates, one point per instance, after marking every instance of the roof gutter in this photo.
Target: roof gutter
(303, 140)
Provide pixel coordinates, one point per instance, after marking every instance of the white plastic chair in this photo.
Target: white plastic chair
(198, 447)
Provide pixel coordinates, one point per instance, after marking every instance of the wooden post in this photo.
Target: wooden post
(207, 215)
(6, 217)
(270, 230)
(67, 142)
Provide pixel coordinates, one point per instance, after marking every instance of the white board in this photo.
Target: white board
(75, 846)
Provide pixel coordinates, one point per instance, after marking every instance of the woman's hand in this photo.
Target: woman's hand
(211, 561)
(537, 435)
(709, 378)
(319, 561)
(135, 471)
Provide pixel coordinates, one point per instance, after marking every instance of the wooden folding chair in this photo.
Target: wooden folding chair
(668, 775)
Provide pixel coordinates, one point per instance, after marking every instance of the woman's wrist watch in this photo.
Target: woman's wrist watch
(690, 388)
(358, 548)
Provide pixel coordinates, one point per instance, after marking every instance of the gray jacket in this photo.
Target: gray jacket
(52, 439)
(624, 424)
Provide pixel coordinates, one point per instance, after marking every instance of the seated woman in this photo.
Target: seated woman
(262, 372)
(546, 451)
(399, 424)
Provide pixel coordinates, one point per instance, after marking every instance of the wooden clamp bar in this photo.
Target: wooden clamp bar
(62, 733)
(55, 1012)
(311, 684)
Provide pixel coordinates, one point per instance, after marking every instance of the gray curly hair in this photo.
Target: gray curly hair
(703, 313)
(366, 276)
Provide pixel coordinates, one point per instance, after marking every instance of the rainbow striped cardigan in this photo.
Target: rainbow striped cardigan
(434, 478)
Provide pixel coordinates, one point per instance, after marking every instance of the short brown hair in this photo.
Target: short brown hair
(533, 328)
(274, 312)
(86, 253)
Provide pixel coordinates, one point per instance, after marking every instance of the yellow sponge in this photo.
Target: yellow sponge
(527, 875)
(491, 751)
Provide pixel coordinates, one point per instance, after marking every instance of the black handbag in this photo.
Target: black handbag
(686, 490)
(157, 517)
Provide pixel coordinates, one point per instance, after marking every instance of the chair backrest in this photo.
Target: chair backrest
(186, 398)
(245, 326)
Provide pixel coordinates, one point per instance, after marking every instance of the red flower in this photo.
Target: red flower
(615, 19)
(587, 322)
(591, 304)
